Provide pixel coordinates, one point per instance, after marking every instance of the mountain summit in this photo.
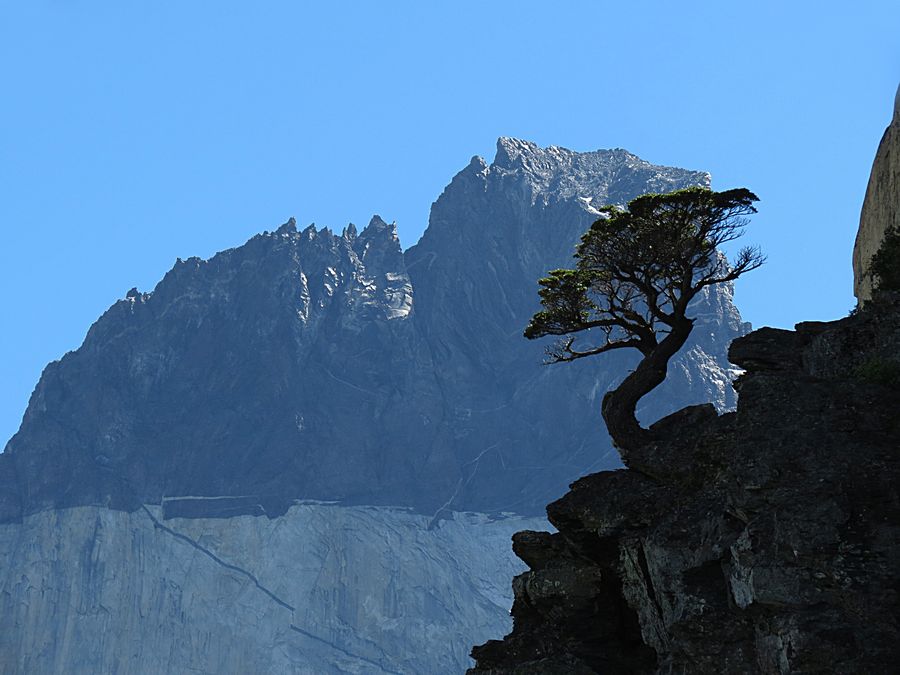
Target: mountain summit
(306, 364)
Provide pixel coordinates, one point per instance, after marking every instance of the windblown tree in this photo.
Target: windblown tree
(637, 271)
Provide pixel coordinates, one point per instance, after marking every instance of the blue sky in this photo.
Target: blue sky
(132, 133)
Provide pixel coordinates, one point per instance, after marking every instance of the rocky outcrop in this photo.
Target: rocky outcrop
(315, 365)
(766, 540)
(881, 209)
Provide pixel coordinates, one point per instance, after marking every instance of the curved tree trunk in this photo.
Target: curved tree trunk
(619, 405)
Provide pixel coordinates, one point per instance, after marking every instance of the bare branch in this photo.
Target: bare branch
(563, 350)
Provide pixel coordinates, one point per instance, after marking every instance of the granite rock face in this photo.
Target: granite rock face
(308, 364)
(881, 210)
(765, 540)
(322, 589)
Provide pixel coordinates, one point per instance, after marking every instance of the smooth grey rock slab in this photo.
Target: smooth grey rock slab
(322, 589)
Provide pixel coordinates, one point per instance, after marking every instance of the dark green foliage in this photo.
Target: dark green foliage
(885, 265)
(636, 272)
(885, 372)
(637, 269)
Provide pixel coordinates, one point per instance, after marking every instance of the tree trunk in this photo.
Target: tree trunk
(619, 405)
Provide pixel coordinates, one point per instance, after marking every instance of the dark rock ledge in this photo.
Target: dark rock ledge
(759, 541)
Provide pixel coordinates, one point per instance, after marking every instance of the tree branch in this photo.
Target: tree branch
(563, 351)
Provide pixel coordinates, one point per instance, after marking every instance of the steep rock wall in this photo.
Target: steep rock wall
(322, 589)
(881, 208)
(761, 541)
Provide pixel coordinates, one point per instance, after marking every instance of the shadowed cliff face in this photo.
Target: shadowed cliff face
(761, 541)
(307, 364)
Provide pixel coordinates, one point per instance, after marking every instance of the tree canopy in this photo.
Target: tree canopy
(637, 270)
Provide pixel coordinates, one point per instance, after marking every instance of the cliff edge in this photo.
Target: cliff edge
(766, 540)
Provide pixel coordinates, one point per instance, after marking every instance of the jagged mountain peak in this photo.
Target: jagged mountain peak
(378, 246)
(380, 230)
(304, 364)
(476, 165)
(555, 172)
(509, 150)
(290, 227)
(515, 153)
(378, 223)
